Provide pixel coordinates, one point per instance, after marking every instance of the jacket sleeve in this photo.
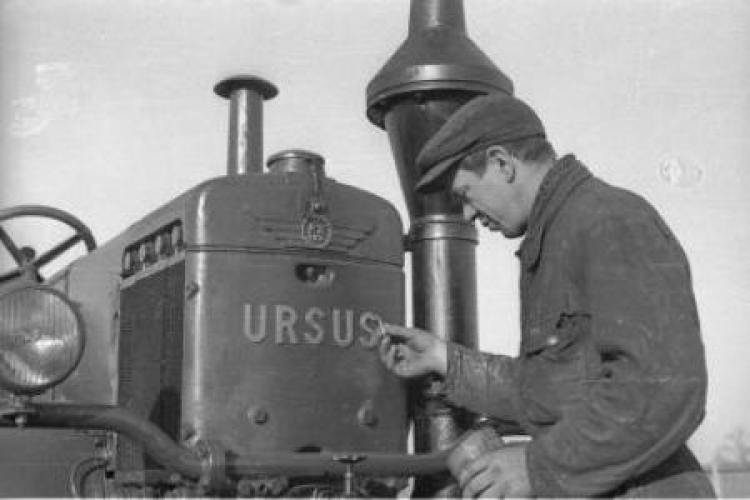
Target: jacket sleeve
(481, 382)
(644, 389)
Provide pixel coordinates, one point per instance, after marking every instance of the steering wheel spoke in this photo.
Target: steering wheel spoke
(57, 250)
(10, 245)
(31, 265)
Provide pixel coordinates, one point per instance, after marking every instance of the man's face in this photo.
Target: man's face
(490, 197)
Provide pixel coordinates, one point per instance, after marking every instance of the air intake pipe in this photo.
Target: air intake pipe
(435, 71)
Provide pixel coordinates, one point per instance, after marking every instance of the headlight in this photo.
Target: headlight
(41, 339)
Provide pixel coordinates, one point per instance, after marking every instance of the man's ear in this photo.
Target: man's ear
(500, 158)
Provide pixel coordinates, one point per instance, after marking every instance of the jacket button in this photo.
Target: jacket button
(553, 340)
(534, 331)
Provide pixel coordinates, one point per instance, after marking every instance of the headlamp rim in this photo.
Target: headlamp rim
(22, 285)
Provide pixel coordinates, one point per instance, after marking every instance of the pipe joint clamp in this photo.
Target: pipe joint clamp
(442, 227)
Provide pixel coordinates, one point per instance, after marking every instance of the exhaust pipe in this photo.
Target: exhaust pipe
(246, 95)
(435, 71)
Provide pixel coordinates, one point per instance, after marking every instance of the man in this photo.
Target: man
(610, 381)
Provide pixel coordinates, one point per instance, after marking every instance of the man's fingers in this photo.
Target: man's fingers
(497, 490)
(402, 350)
(472, 469)
(385, 346)
(387, 353)
(480, 484)
(397, 333)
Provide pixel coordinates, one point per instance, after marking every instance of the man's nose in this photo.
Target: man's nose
(469, 212)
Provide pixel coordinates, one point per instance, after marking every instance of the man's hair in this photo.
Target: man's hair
(533, 149)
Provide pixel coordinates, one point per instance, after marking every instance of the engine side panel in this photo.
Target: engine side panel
(41, 463)
(278, 361)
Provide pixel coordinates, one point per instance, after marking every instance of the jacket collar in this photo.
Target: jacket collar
(557, 186)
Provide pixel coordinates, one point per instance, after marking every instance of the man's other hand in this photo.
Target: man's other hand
(411, 352)
(497, 474)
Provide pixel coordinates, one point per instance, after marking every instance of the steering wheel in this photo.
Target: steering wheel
(25, 257)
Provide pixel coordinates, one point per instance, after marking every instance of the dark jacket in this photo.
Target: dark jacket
(611, 378)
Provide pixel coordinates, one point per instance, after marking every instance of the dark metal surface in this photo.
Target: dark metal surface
(277, 362)
(444, 302)
(444, 262)
(280, 350)
(246, 95)
(319, 464)
(437, 55)
(266, 213)
(39, 463)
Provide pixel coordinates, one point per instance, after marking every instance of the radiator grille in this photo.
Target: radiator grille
(150, 357)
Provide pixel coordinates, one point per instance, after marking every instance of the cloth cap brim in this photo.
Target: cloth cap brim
(483, 121)
(437, 177)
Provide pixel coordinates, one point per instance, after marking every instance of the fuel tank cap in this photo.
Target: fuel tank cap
(296, 161)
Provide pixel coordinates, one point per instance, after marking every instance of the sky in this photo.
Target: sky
(107, 111)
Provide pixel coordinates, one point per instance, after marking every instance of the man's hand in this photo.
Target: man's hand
(498, 474)
(411, 352)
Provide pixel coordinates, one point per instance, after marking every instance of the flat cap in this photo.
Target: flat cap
(483, 121)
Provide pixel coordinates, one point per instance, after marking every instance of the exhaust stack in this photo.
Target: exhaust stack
(246, 95)
(435, 71)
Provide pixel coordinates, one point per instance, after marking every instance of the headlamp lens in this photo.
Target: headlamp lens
(41, 339)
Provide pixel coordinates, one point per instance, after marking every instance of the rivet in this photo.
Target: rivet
(366, 416)
(258, 415)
